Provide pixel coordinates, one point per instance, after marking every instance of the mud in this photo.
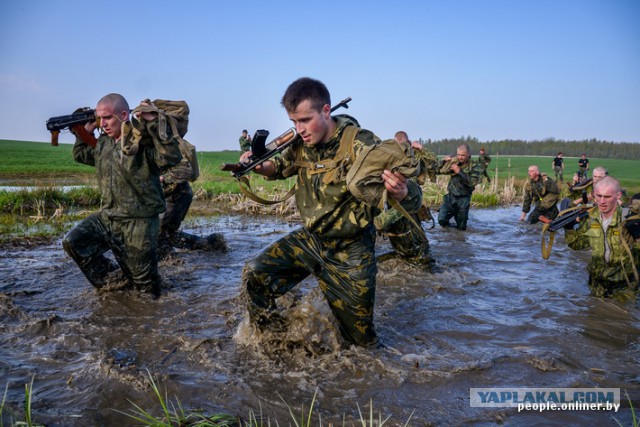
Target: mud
(494, 314)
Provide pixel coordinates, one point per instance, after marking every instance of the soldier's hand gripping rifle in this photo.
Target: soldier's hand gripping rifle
(261, 152)
(566, 219)
(75, 122)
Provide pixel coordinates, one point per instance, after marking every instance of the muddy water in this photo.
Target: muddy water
(494, 315)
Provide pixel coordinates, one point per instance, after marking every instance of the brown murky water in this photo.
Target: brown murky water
(494, 315)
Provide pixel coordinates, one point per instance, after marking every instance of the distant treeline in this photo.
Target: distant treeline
(548, 147)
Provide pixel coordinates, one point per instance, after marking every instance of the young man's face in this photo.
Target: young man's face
(607, 199)
(462, 155)
(110, 121)
(597, 176)
(312, 125)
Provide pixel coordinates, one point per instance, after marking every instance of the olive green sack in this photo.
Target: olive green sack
(175, 114)
(364, 179)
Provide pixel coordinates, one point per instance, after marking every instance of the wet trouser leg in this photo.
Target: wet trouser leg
(86, 244)
(134, 244)
(462, 212)
(178, 202)
(446, 211)
(346, 273)
(454, 207)
(408, 242)
(132, 241)
(550, 213)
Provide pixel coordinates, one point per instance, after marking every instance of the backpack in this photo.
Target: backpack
(364, 178)
(176, 113)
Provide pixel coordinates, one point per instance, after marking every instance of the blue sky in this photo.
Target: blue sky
(489, 69)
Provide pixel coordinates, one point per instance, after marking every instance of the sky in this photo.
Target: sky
(486, 69)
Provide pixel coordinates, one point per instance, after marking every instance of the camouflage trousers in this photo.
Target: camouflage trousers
(605, 288)
(559, 173)
(178, 200)
(345, 270)
(456, 207)
(408, 242)
(132, 241)
(537, 211)
(485, 174)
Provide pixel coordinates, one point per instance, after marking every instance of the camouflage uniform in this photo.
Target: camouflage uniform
(457, 201)
(606, 277)
(484, 160)
(409, 243)
(544, 194)
(179, 195)
(336, 243)
(131, 200)
(245, 143)
(558, 168)
(428, 165)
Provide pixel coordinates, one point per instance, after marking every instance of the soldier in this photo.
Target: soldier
(558, 167)
(465, 175)
(484, 159)
(615, 255)
(583, 167)
(127, 222)
(245, 141)
(544, 193)
(407, 238)
(336, 243)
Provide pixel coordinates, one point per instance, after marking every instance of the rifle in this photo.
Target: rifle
(75, 122)
(565, 219)
(261, 152)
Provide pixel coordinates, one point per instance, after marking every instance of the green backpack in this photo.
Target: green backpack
(364, 179)
(176, 114)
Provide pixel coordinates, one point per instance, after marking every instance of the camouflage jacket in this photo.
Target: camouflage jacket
(484, 160)
(428, 165)
(463, 183)
(130, 185)
(175, 175)
(590, 235)
(329, 209)
(544, 193)
(245, 144)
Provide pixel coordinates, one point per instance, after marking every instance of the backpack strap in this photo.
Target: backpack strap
(344, 155)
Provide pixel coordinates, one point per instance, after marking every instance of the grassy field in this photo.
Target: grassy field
(41, 162)
(626, 171)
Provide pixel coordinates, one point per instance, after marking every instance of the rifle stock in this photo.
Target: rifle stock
(262, 152)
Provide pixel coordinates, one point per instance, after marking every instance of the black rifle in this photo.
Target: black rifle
(56, 124)
(570, 217)
(261, 152)
(567, 218)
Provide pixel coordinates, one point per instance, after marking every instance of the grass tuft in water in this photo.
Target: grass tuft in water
(175, 415)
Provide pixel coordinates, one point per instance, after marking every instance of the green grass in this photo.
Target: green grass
(25, 159)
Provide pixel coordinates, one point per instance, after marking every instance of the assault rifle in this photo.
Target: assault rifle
(567, 218)
(75, 122)
(261, 152)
